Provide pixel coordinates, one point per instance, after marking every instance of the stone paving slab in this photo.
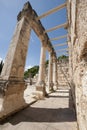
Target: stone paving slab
(52, 113)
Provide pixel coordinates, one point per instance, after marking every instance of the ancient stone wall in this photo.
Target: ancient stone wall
(63, 74)
(77, 41)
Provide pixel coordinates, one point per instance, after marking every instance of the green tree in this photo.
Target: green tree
(31, 72)
(63, 58)
(46, 64)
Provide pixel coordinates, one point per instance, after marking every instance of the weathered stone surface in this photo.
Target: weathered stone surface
(16, 57)
(40, 86)
(78, 46)
(55, 74)
(11, 99)
(50, 73)
(12, 85)
(63, 74)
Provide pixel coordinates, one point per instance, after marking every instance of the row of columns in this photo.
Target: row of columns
(52, 73)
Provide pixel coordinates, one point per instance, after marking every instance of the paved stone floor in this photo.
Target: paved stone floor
(53, 113)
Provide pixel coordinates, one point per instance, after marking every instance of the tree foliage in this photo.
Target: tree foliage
(30, 73)
(63, 58)
(46, 64)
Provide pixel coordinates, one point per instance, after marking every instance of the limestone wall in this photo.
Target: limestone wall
(63, 74)
(77, 41)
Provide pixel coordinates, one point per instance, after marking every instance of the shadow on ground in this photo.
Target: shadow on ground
(35, 114)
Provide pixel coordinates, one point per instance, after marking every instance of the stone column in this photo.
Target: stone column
(12, 85)
(50, 73)
(40, 86)
(55, 73)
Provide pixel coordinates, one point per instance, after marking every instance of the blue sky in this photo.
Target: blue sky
(9, 10)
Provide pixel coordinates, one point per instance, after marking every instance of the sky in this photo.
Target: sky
(9, 10)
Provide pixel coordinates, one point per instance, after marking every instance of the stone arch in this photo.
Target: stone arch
(27, 20)
(12, 84)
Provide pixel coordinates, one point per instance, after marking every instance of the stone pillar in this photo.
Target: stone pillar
(55, 73)
(12, 85)
(50, 73)
(40, 86)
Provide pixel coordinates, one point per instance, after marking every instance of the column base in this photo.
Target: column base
(56, 85)
(50, 87)
(11, 97)
(40, 90)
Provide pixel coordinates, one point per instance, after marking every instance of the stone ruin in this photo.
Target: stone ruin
(12, 84)
(77, 42)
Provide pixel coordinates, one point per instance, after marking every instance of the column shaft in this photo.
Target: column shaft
(42, 65)
(50, 73)
(55, 73)
(40, 86)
